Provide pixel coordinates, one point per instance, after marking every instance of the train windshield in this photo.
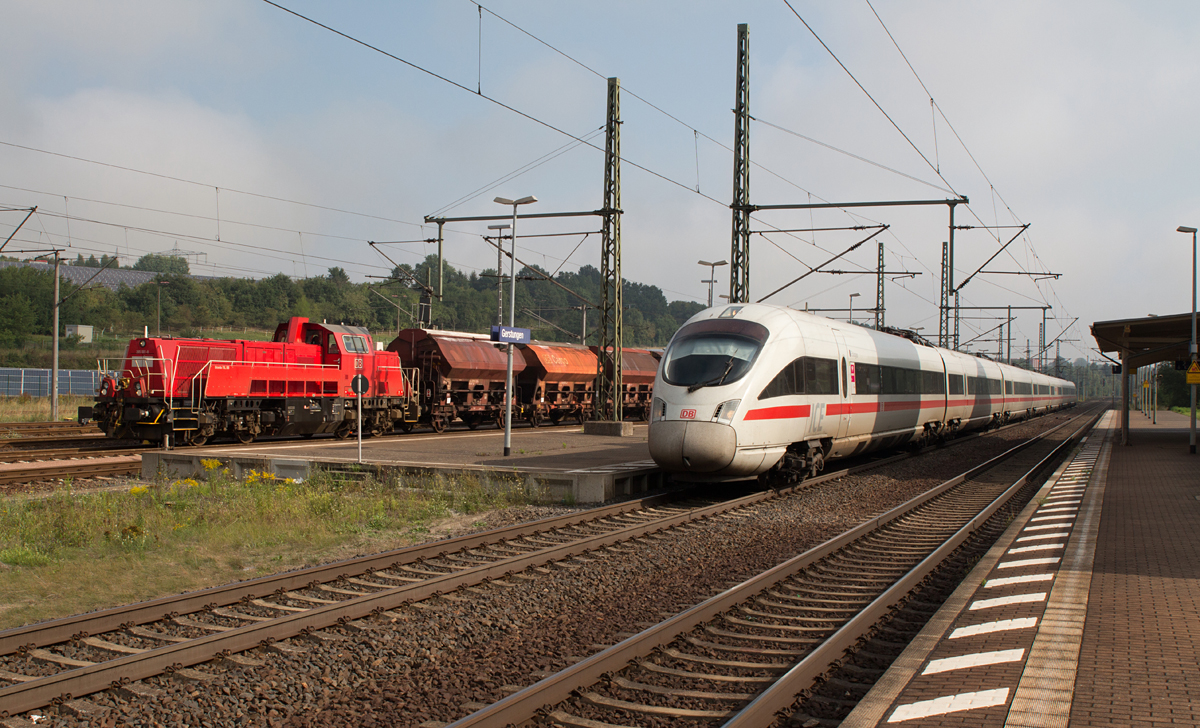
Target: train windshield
(712, 353)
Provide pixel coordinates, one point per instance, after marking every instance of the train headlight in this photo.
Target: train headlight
(658, 410)
(726, 411)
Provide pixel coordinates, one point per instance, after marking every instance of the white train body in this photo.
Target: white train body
(748, 389)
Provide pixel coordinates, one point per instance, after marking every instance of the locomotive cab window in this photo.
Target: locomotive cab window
(355, 344)
(713, 352)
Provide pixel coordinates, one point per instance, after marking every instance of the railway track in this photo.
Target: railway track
(39, 429)
(50, 662)
(745, 655)
(53, 661)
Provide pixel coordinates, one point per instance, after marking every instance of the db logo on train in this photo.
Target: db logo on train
(687, 414)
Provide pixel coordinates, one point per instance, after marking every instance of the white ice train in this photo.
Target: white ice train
(751, 390)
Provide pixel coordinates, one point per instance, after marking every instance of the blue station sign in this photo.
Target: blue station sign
(511, 335)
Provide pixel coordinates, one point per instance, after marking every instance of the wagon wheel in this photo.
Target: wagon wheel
(579, 416)
(535, 418)
(244, 436)
(438, 424)
(472, 421)
(643, 413)
(500, 419)
(344, 430)
(555, 417)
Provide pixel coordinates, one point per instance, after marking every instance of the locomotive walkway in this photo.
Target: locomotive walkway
(1085, 613)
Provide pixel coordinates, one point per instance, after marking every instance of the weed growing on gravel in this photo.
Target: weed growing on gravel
(71, 552)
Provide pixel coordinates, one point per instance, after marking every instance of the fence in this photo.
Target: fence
(36, 382)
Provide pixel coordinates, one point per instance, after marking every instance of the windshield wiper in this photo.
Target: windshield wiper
(717, 380)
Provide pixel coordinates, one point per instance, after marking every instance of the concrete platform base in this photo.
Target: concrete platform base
(553, 464)
(608, 429)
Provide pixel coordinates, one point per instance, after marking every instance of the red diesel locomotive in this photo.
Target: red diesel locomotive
(186, 391)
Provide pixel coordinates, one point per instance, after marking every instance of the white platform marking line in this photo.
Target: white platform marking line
(1052, 501)
(1066, 518)
(1038, 547)
(1028, 562)
(1008, 601)
(1003, 625)
(1043, 536)
(1068, 509)
(978, 659)
(949, 704)
(1010, 580)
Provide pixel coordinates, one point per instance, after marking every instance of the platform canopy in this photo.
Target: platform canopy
(1141, 341)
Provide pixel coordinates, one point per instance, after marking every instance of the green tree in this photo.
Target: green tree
(162, 264)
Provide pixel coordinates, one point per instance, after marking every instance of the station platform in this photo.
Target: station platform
(1086, 612)
(562, 463)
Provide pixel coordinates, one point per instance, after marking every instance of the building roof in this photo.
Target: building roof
(110, 278)
(1147, 340)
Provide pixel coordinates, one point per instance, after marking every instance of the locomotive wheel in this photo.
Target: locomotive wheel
(438, 424)
(244, 436)
(344, 430)
(197, 438)
(404, 425)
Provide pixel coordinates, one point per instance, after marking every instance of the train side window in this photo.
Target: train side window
(956, 384)
(933, 383)
(820, 376)
(845, 380)
(867, 378)
(788, 381)
(1008, 387)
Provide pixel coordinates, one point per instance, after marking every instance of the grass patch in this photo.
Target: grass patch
(73, 552)
(37, 409)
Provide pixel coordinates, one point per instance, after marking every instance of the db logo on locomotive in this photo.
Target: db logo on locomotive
(687, 414)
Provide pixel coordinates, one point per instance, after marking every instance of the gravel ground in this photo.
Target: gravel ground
(431, 661)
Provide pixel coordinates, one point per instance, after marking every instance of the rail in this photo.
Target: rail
(526, 704)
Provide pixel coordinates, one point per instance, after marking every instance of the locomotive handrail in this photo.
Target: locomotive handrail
(169, 365)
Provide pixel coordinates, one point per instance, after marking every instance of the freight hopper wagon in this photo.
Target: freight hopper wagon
(462, 375)
(558, 382)
(638, 367)
(187, 391)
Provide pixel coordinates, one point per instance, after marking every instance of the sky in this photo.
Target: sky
(264, 143)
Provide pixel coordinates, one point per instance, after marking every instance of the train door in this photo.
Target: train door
(846, 392)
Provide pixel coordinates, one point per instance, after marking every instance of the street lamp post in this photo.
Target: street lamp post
(712, 276)
(852, 297)
(512, 319)
(499, 271)
(1192, 435)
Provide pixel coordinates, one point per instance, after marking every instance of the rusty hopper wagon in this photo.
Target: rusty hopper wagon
(462, 375)
(558, 382)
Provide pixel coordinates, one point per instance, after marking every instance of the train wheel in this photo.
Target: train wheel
(535, 419)
(306, 435)
(344, 430)
(197, 438)
(579, 417)
(244, 436)
(472, 422)
(404, 425)
(438, 424)
(500, 420)
(555, 418)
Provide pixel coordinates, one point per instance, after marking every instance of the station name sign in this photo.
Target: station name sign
(510, 335)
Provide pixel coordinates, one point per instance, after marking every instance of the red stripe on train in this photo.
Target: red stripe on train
(778, 413)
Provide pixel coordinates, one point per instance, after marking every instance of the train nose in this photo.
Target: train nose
(695, 447)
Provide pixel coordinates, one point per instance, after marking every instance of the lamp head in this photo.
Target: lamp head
(502, 226)
(1185, 229)
(522, 201)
